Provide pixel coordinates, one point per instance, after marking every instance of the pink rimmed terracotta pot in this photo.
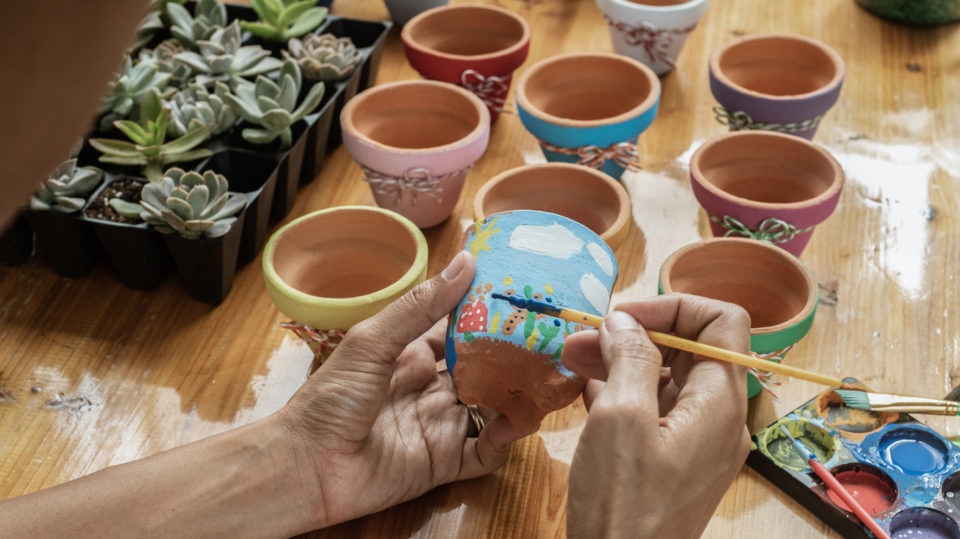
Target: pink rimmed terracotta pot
(583, 194)
(416, 141)
(777, 291)
(775, 82)
(476, 47)
(766, 186)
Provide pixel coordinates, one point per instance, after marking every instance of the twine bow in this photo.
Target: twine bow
(765, 378)
(491, 90)
(622, 153)
(320, 340)
(655, 42)
(417, 180)
(738, 120)
(771, 229)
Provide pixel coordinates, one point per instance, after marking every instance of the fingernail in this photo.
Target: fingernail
(617, 320)
(454, 267)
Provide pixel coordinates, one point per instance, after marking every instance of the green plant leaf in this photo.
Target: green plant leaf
(181, 207)
(220, 228)
(197, 198)
(131, 161)
(258, 136)
(126, 209)
(310, 102)
(179, 16)
(153, 170)
(262, 29)
(150, 105)
(276, 120)
(119, 148)
(268, 10)
(187, 156)
(234, 204)
(134, 132)
(294, 11)
(187, 141)
(306, 22)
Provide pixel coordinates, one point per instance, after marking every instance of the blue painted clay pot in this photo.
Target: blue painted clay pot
(506, 357)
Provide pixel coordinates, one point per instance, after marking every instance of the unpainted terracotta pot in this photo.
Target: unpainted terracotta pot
(776, 82)
(416, 141)
(583, 194)
(778, 292)
(766, 185)
(336, 267)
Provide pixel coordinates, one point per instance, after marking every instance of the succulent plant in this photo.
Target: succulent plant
(164, 57)
(324, 57)
(149, 148)
(208, 17)
(191, 204)
(147, 28)
(221, 58)
(282, 19)
(195, 106)
(272, 106)
(129, 85)
(66, 190)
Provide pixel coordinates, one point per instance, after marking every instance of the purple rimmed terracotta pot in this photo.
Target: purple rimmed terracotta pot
(766, 186)
(775, 82)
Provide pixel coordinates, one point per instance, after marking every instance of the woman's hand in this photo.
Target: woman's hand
(666, 435)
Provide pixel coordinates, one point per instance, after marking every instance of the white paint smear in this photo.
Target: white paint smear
(595, 292)
(555, 241)
(601, 257)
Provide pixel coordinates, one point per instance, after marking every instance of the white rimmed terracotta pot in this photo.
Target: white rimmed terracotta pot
(583, 194)
(766, 186)
(652, 31)
(775, 82)
(588, 108)
(416, 141)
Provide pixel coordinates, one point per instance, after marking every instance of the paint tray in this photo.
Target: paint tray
(903, 473)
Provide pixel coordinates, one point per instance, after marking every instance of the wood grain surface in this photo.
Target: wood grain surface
(94, 374)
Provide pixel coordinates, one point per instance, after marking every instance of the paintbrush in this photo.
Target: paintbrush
(833, 484)
(673, 341)
(882, 402)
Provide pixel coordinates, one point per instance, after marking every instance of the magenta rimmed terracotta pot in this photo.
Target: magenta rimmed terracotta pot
(586, 195)
(416, 141)
(766, 186)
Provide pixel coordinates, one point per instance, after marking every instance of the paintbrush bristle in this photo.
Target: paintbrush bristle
(854, 398)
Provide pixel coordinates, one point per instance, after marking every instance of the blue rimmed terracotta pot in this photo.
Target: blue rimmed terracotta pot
(588, 108)
(778, 292)
(775, 82)
(506, 357)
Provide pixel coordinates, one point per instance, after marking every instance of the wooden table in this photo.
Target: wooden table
(94, 374)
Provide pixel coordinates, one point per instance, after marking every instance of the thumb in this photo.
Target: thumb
(633, 368)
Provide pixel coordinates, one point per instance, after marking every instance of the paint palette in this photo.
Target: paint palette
(903, 473)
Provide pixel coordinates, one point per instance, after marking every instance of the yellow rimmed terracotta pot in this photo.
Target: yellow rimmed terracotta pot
(581, 193)
(333, 268)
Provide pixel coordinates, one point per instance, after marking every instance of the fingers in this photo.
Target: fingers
(581, 354)
(489, 451)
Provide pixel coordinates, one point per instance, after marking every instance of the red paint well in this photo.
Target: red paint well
(873, 492)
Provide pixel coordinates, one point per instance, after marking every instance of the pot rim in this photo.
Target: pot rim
(483, 123)
(836, 184)
(645, 105)
(405, 281)
(809, 307)
(662, 9)
(623, 198)
(838, 64)
(407, 38)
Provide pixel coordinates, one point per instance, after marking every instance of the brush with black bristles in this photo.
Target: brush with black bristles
(882, 402)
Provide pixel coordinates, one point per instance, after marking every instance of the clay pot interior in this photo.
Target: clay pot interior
(583, 194)
(344, 254)
(766, 281)
(587, 87)
(413, 116)
(778, 65)
(767, 168)
(467, 31)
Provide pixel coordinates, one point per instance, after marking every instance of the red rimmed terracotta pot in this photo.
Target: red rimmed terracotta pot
(778, 291)
(416, 141)
(583, 194)
(476, 47)
(775, 82)
(766, 186)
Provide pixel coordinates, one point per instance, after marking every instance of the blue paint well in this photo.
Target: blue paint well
(914, 451)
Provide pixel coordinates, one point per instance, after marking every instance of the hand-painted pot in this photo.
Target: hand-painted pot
(416, 141)
(915, 12)
(652, 31)
(401, 11)
(583, 194)
(588, 108)
(775, 82)
(506, 357)
(333, 268)
(766, 186)
(777, 290)
(476, 47)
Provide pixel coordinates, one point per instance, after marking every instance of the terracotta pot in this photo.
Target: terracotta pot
(777, 290)
(588, 108)
(476, 47)
(775, 82)
(766, 186)
(652, 31)
(335, 267)
(401, 11)
(416, 141)
(506, 357)
(583, 194)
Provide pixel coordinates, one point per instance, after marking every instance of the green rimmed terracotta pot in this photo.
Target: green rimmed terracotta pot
(775, 288)
(333, 268)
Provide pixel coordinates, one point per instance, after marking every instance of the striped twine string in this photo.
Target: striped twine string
(622, 153)
(656, 42)
(739, 119)
(772, 229)
(417, 180)
(765, 378)
(322, 340)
